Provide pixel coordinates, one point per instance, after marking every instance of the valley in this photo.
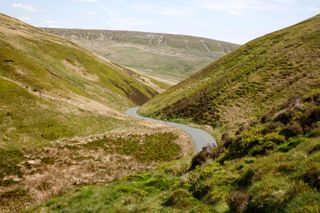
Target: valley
(165, 57)
(59, 105)
(262, 102)
(152, 122)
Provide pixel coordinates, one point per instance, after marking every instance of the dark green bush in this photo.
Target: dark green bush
(290, 144)
(199, 189)
(269, 195)
(292, 130)
(180, 199)
(245, 179)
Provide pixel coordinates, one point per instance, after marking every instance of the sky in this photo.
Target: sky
(237, 21)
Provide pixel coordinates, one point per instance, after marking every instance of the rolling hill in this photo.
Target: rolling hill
(248, 82)
(265, 99)
(61, 120)
(166, 57)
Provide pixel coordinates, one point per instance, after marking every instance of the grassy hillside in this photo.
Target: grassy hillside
(269, 164)
(43, 76)
(248, 82)
(164, 56)
(60, 118)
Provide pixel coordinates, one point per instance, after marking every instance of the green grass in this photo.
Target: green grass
(258, 170)
(156, 192)
(173, 60)
(9, 160)
(247, 82)
(28, 120)
(276, 185)
(32, 61)
(34, 68)
(155, 147)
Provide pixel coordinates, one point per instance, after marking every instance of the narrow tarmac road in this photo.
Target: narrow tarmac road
(200, 138)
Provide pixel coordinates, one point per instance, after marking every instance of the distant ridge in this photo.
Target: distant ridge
(167, 56)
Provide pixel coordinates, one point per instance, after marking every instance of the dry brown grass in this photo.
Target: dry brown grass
(66, 163)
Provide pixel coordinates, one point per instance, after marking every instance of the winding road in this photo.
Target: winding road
(200, 138)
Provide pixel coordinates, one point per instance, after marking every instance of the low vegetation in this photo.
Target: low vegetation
(269, 171)
(29, 177)
(248, 82)
(168, 57)
(63, 132)
(263, 99)
(55, 95)
(156, 147)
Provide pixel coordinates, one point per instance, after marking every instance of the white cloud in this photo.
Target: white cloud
(240, 7)
(24, 7)
(234, 7)
(125, 23)
(27, 7)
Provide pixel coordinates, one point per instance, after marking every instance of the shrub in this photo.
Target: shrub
(269, 195)
(307, 202)
(315, 99)
(226, 140)
(243, 143)
(311, 117)
(284, 117)
(202, 157)
(270, 127)
(314, 149)
(290, 144)
(292, 130)
(200, 190)
(286, 168)
(275, 138)
(314, 133)
(238, 201)
(180, 199)
(261, 149)
(312, 176)
(246, 179)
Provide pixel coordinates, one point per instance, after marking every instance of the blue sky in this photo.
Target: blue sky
(237, 21)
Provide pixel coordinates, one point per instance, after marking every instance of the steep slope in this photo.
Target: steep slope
(248, 82)
(164, 56)
(45, 70)
(60, 119)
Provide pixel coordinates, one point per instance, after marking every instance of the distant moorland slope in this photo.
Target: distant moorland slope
(164, 56)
